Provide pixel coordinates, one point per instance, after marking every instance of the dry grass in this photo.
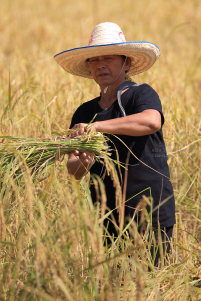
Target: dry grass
(50, 233)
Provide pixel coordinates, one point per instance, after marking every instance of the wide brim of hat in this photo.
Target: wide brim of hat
(143, 55)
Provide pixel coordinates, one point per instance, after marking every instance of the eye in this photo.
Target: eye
(93, 60)
(108, 58)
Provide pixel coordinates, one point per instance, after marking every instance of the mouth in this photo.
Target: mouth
(103, 75)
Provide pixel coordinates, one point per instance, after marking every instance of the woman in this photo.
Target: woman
(135, 117)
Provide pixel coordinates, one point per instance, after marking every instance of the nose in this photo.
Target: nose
(100, 64)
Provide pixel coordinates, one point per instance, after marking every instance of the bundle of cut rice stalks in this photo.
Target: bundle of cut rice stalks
(39, 154)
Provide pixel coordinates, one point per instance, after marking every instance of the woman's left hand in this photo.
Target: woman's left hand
(82, 129)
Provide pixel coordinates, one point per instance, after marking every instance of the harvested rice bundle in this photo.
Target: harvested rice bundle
(42, 153)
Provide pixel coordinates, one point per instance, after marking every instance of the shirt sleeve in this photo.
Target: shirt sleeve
(147, 98)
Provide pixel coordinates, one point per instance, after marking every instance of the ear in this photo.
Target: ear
(127, 64)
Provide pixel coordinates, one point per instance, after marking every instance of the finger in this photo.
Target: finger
(83, 156)
(82, 131)
(76, 152)
(90, 128)
(73, 135)
(86, 162)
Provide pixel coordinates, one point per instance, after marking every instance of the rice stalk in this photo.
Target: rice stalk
(2, 224)
(40, 154)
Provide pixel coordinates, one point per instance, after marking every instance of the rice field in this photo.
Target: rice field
(50, 233)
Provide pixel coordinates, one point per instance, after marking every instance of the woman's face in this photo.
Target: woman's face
(108, 69)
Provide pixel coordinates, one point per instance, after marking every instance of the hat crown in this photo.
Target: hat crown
(106, 33)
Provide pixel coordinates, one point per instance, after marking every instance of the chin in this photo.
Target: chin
(104, 84)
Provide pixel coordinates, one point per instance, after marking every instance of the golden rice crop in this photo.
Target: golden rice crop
(39, 154)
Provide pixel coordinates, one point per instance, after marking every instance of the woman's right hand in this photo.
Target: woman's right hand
(79, 163)
(86, 158)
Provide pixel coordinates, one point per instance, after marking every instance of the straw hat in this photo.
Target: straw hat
(108, 39)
